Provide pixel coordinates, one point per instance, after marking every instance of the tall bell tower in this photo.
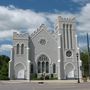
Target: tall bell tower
(67, 49)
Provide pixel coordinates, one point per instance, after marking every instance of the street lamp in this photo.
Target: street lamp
(78, 67)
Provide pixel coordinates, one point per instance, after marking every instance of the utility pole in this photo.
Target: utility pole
(88, 55)
(78, 67)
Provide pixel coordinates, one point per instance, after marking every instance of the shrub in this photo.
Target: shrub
(34, 76)
(46, 77)
(51, 75)
(4, 67)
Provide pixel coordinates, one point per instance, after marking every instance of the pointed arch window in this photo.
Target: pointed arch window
(71, 34)
(43, 64)
(17, 49)
(43, 67)
(22, 48)
(67, 26)
(39, 69)
(54, 68)
(47, 67)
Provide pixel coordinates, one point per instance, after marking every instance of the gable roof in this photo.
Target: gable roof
(41, 28)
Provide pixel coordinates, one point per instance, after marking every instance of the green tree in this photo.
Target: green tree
(84, 58)
(4, 67)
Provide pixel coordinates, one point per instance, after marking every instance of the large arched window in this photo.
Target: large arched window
(47, 67)
(43, 67)
(22, 48)
(43, 64)
(17, 49)
(39, 69)
(54, 68)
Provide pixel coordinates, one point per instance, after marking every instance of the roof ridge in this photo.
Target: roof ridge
(41, 27)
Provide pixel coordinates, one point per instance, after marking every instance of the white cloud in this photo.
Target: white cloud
(18, 19)
(81, 2)
(5, 47)
(14, 19)
(6, 33)
(83, 19)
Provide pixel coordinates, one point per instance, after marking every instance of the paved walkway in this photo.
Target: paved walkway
(45, 81)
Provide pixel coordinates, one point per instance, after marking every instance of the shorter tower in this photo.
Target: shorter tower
(67, 49)
(19, 66)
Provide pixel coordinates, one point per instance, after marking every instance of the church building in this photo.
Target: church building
(53, 54)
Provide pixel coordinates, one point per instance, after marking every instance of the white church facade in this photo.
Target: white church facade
(45, 52)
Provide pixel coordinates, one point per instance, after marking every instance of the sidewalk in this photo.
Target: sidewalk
(59, 81)
(56, 81)
(44, 81)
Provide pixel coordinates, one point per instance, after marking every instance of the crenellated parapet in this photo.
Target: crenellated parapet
(61, 19)
(20, 35)
(60, 22)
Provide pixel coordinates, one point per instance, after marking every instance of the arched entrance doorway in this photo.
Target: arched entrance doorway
(43, 64)
(69, 71)
(19, 71)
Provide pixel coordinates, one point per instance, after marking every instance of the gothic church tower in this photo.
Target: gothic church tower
(20, 63)
(67, 49)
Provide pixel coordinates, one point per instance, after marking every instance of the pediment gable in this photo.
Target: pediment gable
(41, 29)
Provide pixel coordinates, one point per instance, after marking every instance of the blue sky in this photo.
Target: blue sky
(43, 5)
(47, 5)
(28, 15)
